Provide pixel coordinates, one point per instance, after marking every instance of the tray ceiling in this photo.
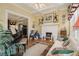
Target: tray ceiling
(41, 7)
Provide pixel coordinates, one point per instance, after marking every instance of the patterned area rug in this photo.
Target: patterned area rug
(40, 43)
(36, 50)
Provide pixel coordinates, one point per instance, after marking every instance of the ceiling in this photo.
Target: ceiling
(16, 18)
(46, 7)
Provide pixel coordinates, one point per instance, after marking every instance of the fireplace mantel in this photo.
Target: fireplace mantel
(50, 24)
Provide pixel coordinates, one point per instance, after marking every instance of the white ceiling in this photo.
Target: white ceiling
(18, 19)
(48, 7)
(15, 17)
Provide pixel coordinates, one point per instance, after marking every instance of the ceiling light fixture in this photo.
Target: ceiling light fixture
(39, 5)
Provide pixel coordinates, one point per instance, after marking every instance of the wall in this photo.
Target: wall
(32, 19)
(60, 12)
(16, 9)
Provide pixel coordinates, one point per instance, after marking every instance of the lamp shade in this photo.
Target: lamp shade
(76, 25)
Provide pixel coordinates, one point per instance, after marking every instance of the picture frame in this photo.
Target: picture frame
(55, 18)
(41, 20)
(48, 18)
(63, 19)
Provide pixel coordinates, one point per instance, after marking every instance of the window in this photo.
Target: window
(76, 34)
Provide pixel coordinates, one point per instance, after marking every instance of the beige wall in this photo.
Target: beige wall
(59, 12)
(16, 9)
(32, 18)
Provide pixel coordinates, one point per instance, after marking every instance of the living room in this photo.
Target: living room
(34, 29)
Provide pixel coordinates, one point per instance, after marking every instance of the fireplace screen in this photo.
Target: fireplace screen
(48, 35)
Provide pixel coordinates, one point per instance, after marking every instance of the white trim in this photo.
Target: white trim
(6, 18)
(15, 13)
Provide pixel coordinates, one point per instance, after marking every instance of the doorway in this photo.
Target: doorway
(18, 25)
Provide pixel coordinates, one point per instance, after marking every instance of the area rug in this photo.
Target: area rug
(35, 50)
(40, 43)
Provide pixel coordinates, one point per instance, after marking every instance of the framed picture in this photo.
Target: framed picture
(63, 19)
(48, 18)
(41, 20)
(55, 18)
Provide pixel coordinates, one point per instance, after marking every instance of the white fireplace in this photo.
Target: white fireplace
(51, 28)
